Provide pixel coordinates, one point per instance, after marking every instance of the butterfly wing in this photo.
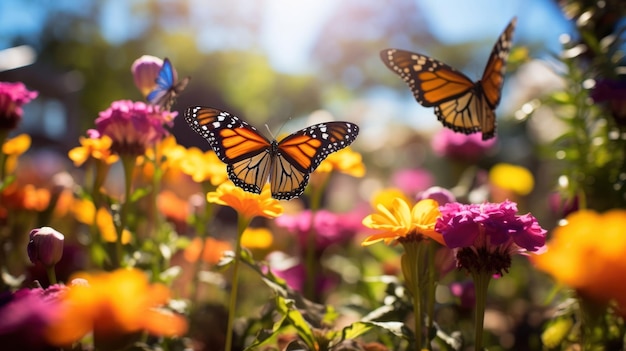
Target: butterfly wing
(460, 104)
(166, 86)
(235, 142)
(301, 153)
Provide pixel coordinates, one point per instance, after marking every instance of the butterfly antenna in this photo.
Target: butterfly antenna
(270, 131)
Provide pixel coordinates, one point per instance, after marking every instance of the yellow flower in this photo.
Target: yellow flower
(587, 254)
(168, 154)
(17, 145)
(83, 211)
(95, 148)
(400, 221)
(13, 148)
(203, 166)
(113, 305)
(387, 196)
(510, 177)
(247, 204)
(257, 238)
(343, 161)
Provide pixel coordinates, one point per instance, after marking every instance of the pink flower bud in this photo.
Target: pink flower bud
(145, 71)
(45, 246)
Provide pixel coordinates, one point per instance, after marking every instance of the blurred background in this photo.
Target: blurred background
(283, 63)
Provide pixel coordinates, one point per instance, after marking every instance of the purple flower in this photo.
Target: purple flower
(466, 293)
(448, 143)
(613, 93)
(12, 97)
(133, 126)
(488, 229)
(412, 181)
(439, 194)
(329, 228)
(24, 315)
(293, 272)
(45, 246)
(145, 71)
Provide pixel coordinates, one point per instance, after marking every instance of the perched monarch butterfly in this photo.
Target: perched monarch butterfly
(460, 104)
(251, 158)
(167, 87)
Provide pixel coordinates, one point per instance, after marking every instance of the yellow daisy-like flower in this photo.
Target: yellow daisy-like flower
(401, 221)
(168, 154)
(96, 148)
(510, 177)
(203, 166)
(343, 161)
(13, 148)
(257, 238)
(112, 306)
(84, 211)
(247, 204)
(387, 196)
(17, 145)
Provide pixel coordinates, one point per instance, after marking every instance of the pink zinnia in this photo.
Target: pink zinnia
(448, 143)
(133, 126)
(12, 97)
(485, 235)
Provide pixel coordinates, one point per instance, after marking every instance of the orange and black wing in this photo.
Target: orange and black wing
(460, 104)
(246, 153)
(301, 153)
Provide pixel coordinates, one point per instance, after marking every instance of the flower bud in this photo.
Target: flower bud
(145, 71)
(439, 194)
(45, 246)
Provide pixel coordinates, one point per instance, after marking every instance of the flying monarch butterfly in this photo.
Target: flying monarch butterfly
(251, 158)
(460, 104)
(167, 87)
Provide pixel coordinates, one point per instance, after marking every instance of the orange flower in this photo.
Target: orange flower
(25, 197)
(83, 211)
(343, 161)
(203, 166)
(172, 206)
(399, 221)
(113, 305)
(96, 148)
(247, 204)
(587, 254)
(213, 250)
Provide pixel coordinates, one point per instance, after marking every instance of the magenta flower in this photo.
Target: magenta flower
(145, 71)
(133, 126)
(412, 181)
(465, 292)
(24, 315)
(448, 143)
(12, 97)
(330, 228)
(293, 272)
(488, 232)
(45, 246)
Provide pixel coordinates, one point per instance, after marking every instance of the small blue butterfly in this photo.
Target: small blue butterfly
(167, 88)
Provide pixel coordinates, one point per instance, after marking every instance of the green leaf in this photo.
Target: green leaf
(139, 193)
(7, 181)
(287, 307)
(355, 329)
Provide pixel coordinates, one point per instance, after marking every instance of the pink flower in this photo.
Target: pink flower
(293, 272)
(439, 194)
(145, 71)
(489, 232)
(412, 181)
(133, 126)
(25, 314)
(448, 143)
(12, 97)
(329, 228)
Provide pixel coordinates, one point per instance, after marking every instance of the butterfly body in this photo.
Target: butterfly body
(167, 88)
(460, 104)
(252, 159)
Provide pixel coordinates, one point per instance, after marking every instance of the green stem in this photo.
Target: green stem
(4, 133)
(201, 231)
(242, 224)
(128, 162)
(52, 277)
(411, 259)
(481, 284)
(310, 258)
(432, 287)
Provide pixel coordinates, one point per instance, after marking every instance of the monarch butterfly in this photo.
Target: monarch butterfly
(460, 104)
(167, 88)
(251, 158)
